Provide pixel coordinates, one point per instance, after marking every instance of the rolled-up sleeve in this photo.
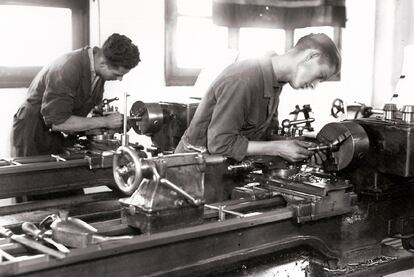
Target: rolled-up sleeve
(229, 115)
(58, 99)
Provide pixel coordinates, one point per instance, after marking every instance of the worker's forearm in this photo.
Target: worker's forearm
(262, 148)
(78, 123)
(292, 150)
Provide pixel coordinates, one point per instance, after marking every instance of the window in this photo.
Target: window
(257, 41)
(192, 40)
(197, 40)
(35, 32)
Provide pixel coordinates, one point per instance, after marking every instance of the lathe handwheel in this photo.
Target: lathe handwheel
(127, 169)
(337, 108)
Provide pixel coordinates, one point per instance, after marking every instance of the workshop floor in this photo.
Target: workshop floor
(406, 273)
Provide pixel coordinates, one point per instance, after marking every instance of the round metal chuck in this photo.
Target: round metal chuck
(351, 149)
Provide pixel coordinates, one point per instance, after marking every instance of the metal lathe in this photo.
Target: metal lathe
(155, 219)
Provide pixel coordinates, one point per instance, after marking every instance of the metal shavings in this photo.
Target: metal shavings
(354, 218)
(351, 267)
(309, 177)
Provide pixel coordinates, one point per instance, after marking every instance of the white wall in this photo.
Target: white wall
(143, 22)
(356, 72)
(394, 31)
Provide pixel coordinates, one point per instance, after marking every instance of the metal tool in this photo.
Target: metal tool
(124, 136)
(31, 243)
(74, 232)
(69, 235)
(63, 215)
(31, 229)
(99, 239)
(222, 212)
(334, 146)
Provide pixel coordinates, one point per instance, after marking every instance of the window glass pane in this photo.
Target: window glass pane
(329, 31)
(197, 41)
(255, 42)
(33, 36)
(194, 7)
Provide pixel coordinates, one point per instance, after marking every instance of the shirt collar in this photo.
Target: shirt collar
(92, 62)
(271, 84)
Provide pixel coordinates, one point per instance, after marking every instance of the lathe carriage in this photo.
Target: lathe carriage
(156, 221)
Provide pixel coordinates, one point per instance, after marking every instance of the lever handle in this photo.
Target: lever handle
(99, 239)
(194, 201)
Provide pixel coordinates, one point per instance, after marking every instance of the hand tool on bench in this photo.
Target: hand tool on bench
(73, 235)
(31, 243)
(74, 232)
(31, 229)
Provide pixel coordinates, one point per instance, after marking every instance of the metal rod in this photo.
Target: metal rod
(135, 118)
(319, 147)
(9, 169)
(58, 158)
(301, 121)
(221, 209)
(196, 202)
(125, 133)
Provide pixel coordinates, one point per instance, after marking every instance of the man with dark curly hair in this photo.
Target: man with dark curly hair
(65, 91)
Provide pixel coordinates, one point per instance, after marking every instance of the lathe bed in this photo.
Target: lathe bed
(210, 249)
(355, 221)
(214, 248)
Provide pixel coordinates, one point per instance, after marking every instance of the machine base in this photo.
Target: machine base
(153, 222)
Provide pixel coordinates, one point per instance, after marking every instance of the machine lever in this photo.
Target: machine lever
(100, 239)
(196, 202)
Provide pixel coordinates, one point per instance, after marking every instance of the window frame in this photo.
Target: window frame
(176, 76)
(22, 76)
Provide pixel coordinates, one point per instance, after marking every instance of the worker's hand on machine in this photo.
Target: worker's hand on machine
(113, 120)
(295, 150)
(320, 154)
(318, 157)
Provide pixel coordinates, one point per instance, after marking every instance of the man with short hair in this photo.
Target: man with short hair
(65, 91)
(236, 115)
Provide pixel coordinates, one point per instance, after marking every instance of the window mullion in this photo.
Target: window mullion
(233, 38)
(289, 38)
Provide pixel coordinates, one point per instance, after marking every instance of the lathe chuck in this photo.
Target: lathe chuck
(353, 148)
